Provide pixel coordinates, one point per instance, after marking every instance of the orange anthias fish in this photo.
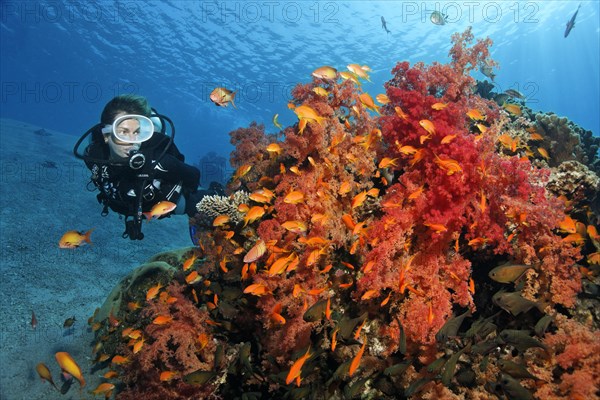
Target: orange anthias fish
(567, 225)
(104, 388)
(382, 98)
(73, 239)
(359, 70)
(428, 126)
(257, 289)
(306, 113)
(294, 197)
(439, 106)
(325, 72)
(475, 115)
(222, 97)
(449, 165)
(45, 374)
(368, 102)
(160, 209)
(189, 263)
(221, 220)
(162, 320)
(356, 360)
(255, 213)
(438, 228)
(296, 369)
(153, 291)
(241, 171)
(68, 365)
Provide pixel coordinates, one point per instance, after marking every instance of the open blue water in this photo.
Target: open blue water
(61, 61)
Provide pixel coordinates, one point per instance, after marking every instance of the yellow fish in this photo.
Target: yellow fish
(428, 126)
(512, 108)
(382, 98)
(320, 91)
(475, 114)
(73, 239)
(359, 71)
(222, 97)
(68, 365)
(307, 113)
(368, 102)
(325, 72)
(276, 121)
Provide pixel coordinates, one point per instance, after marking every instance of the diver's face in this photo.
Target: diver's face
(119, 149)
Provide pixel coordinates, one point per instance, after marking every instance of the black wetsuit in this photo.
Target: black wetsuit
(120, 185)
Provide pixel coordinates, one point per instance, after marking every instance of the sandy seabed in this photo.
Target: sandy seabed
(42, 195)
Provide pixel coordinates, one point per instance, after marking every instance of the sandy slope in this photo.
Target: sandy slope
(42, 195)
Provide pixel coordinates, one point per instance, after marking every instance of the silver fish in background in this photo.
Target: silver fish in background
(438, 18)
(571, 23)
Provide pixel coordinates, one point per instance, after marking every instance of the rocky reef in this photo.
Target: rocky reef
(419, 248)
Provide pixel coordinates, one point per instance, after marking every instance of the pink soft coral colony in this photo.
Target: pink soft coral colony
(377, 225)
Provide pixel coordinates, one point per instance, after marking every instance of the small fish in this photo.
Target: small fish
(571, 23)
(382, 98)
(253, 214)
(515, 370)
(153, 291)
(439, 106)
(276, 121)
(162, 320)
(44, 373)
(69, 322)
(520, 339)
(68, 365)
(368, 102)
(160, 209)
(437, 18)
(384, 25)
(487, 71)
(508, 272)
(199, 377)
(296, 368)
(295, 226)
(512, 108)
(73, 239)
(166, 376)
(359, 199)
(256, 252)
(104, 388)
(325, 72)
(320, 91)
(514, 93)
(451, 327)
(542, 325)
(257, 289)
(222, 97)
(475, 114)
(513, 389)
(356, 360)
(387, 162)
(241, 171)
(513, 302)
(294, 197)
(450, 366)
(437, 228)
(307, 113)
(34, 321)
(315, 312)
(428, 126)
(359, 70)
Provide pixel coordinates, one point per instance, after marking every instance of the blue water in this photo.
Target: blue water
(61, 61)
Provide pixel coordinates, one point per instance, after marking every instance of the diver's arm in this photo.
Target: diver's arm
(171, 169)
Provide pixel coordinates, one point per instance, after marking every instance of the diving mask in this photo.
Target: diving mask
(131, 128)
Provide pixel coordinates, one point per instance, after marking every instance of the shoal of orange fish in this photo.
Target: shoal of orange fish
(296, 368)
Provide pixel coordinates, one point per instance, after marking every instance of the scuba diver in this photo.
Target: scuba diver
(135, 164)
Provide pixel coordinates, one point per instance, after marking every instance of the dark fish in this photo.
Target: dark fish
(515, 370)
(352, 391)
(487, 71)
(397, 369)
(542, 325)
(482, 327)
(245, 355)
(416, 386)
(69, 322)
(513, 302)
(436, 365)
(514, 94)
(34, 321)
(347, 326)
(450, 366)
(513, 389)
(507, 273)
(484, 347)
(520, 339)
(451, 327)
(199, 377)
(383, 24)
(316, 311)
(438, 18)
(571, 23)
(219, 354)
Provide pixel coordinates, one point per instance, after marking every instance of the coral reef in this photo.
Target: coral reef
(407, 250)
